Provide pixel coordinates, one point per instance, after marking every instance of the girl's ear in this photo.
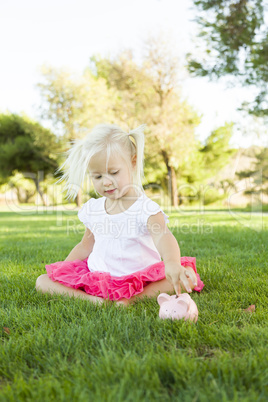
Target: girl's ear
(134, 160)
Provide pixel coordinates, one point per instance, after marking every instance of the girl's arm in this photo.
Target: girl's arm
(82, 250)
(169, 250)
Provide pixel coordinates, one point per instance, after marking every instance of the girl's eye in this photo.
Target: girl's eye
(113, 173)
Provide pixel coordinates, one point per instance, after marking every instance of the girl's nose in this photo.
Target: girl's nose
(106, 181)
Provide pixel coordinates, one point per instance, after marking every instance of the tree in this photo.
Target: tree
(173, 120)
(235, 38)
(25, 188)
(149, 93)
(259, 174)
(204, 162)
(130, 81)
(216, 151)
(28, 148)
(75, 103)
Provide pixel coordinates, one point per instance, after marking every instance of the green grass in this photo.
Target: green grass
(71, 350)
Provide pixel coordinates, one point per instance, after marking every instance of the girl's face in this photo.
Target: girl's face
(116, 181)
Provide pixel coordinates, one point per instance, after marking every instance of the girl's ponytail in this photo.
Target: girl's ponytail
(138, 135)
(75, 168)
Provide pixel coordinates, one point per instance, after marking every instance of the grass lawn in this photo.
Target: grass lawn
(55, 348)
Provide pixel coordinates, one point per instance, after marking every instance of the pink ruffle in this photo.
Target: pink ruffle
(75, 274)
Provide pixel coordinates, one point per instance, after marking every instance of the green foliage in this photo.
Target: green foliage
(132, 83)
(216, 151)
(202, 165)
(121, 90)
(75, 103)
(234, 39)
(26, 146)
(150, 94)
(25, 188)
(212, 195)
(259, 174)
(55, 348)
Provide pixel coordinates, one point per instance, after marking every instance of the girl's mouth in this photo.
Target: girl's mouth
(110, 191)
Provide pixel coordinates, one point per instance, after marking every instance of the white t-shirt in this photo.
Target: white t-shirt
(123, 244)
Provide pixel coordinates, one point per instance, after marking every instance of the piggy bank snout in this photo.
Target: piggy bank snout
(173, 310)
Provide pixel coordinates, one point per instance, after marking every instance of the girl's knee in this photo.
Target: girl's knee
(40, 282)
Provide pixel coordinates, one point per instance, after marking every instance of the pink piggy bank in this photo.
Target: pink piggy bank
(177, 307)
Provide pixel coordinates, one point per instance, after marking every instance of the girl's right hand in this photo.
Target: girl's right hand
(179, 276)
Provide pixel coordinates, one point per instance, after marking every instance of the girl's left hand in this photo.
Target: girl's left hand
(179, 276)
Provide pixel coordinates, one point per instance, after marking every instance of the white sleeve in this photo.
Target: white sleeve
(150, 208)
(84, 214)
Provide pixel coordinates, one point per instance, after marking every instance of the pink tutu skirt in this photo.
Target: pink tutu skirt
(76, 274)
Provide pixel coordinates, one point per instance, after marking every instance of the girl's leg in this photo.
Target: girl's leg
(152, 290)
(45, 285)
(155, 288)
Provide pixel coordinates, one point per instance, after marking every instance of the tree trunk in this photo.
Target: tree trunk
(36, 182)
(23, 195)
(172, 181)
(174, 188)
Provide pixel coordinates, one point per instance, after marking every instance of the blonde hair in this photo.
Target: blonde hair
(108, 138)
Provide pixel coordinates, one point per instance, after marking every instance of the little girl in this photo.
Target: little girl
(119, 256)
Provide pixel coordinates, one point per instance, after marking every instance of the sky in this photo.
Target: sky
(66, 33)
